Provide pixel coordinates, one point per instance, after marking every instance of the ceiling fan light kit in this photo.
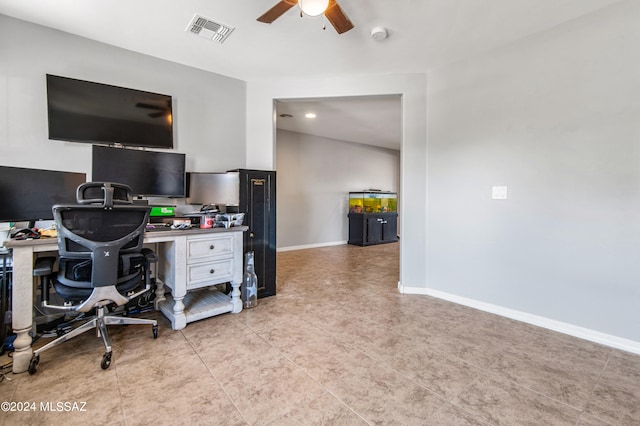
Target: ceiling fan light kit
(313, 7)
(331, 9)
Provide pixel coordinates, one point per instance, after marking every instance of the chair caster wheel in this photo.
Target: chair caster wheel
(33, 364)
(106, 360)
(155, 331)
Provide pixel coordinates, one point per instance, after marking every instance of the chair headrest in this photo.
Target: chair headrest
(104, 193)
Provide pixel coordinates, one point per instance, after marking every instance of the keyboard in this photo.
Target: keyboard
(158, 228)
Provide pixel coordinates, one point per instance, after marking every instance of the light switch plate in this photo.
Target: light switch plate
(499, 192)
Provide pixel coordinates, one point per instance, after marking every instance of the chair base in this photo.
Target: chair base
(100, 323)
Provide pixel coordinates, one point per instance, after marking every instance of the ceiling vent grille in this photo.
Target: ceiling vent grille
(205, 27)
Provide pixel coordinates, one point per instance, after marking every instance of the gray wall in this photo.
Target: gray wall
(556, 118)
(209, 109)
(314, 176)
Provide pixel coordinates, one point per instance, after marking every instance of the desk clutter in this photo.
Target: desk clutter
(210, 216)
(203, 221)
(165, 222)
(223, 220)
(33, 233)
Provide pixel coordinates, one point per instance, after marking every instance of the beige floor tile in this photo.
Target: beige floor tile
(324, 410)
(243, 354)
(271, 392)
(443, 374)
(623, 370)
(202, 402)
(615, 404)
(148, 383)
(382, 396)
(570, 383)
(83, 389)
(338, 345)
(500, 402)
(450, 415)
(587, 420)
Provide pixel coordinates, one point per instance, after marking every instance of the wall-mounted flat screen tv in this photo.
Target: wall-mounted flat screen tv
(83, 111)
(27, 195)
(148, 173)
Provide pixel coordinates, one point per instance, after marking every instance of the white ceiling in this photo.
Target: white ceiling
(372, 120)
(423, 34)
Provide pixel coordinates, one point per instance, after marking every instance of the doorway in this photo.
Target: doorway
(351, 144)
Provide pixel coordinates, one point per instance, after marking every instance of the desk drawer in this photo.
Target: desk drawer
(209, 273)
(218, 246)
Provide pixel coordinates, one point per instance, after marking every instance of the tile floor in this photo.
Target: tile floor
(337, 346)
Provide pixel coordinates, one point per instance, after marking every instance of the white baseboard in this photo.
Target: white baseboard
(309, 246)
(559, 326)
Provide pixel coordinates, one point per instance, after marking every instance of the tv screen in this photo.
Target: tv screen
(29, 194)
(148, 173)
(82, 111)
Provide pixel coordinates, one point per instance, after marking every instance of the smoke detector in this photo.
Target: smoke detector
(379, 33)
(209, 29)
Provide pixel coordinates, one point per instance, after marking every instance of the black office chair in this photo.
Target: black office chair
(101, 261)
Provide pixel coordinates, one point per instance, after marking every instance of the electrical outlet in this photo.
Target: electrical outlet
(499, 192)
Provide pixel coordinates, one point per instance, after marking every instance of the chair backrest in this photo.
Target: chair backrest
(104, 193)
(101, 229)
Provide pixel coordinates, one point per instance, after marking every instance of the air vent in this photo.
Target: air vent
(205, 27)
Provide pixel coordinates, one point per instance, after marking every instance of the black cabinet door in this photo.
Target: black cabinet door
(374, 230)
(390, 228)
(257, 199)
(356, 228)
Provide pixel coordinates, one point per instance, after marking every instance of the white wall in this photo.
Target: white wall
(209, 109)
(261, 149)
(556, 118)
(315, 175)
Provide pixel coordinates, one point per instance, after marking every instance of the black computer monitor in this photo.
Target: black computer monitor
(27, 195)
(148, 173)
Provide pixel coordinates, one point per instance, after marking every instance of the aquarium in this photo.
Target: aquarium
(373, 202)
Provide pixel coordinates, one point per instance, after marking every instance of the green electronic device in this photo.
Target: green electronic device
(162, 211)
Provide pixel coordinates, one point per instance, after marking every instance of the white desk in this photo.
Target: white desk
(189, 262)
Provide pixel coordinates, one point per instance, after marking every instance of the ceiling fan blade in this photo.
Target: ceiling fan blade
(150, 106)
(277, 11)
(338, 19)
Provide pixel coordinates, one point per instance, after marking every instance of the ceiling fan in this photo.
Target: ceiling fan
(333, 13)
(161, 110)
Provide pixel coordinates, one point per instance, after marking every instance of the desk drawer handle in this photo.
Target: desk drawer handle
(211, 247)
(212, 271)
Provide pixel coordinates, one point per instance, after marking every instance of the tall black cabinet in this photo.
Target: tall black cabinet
(257, 198)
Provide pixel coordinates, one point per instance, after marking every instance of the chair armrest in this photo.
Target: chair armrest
(149, 255)
(43, 266)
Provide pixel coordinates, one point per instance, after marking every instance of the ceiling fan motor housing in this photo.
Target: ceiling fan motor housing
(333, 13)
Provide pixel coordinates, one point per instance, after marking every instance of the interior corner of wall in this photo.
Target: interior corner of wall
(404, 289)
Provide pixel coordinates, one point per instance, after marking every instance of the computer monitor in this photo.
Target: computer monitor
(148, 173)
(27, 195)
